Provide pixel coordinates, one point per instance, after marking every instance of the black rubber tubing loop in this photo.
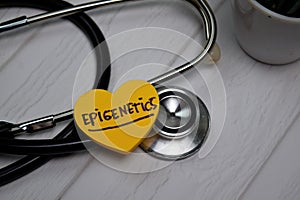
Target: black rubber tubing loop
(43, 147)
(28, 164)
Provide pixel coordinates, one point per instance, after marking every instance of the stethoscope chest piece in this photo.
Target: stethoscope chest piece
(181, 127)
(177, 119)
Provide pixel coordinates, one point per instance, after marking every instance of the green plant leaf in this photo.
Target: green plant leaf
(295, 9)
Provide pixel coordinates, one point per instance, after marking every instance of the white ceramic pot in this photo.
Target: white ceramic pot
(265, 35)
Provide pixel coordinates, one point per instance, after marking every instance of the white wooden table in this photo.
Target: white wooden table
(255, 158)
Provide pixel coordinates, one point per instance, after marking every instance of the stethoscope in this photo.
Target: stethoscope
(183, 118)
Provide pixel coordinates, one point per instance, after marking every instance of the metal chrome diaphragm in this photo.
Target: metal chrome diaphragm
(181, 127)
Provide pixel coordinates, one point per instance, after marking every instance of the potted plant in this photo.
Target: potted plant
(268, 30)
(289, 8)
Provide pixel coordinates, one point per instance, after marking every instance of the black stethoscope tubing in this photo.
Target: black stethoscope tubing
(9, 145)
(67, 140)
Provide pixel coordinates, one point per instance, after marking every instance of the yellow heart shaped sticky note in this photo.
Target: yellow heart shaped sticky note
(118, 121)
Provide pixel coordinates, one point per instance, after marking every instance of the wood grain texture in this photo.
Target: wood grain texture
(38, 66)
(279, 178)
(263, 101)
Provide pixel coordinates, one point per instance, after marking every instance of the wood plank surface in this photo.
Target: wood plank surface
(262, 103)
(38, 67)
(279, 178)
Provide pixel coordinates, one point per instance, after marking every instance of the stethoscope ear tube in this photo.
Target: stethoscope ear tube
(210, 26)
(67, 141)
(29, 163)
(201, 5)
